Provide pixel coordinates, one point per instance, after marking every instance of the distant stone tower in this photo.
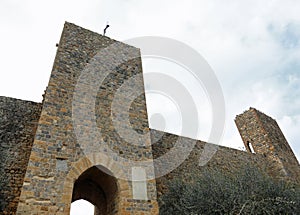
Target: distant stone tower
(90, 139)
(262, 135)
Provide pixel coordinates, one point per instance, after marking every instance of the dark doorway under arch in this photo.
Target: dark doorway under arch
(99, 188)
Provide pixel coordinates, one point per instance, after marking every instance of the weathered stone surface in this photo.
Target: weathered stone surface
(264, 135)
(79, 139)
(271, 152)
(225, 158)
(77, 121)
(18, 122)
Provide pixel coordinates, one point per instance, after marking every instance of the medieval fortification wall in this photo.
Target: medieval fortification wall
(49, 159)
(18, 122)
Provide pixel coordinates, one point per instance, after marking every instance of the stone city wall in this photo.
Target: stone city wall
(225, 159)
(18, 122)
(93, 123)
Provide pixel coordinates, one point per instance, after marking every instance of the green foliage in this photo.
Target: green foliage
(247, 192)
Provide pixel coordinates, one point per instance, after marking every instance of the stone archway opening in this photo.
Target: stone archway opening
(97, 186)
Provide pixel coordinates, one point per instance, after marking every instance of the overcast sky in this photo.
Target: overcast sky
(252, 45)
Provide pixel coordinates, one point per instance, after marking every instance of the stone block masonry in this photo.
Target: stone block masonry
(262, 135)
(225, 159)
(274, 160)
(76, 130)
(18, 122)
(92, 126)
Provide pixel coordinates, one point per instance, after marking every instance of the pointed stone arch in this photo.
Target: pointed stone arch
(105, 166)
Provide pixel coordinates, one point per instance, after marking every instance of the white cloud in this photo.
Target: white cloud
(290, 127)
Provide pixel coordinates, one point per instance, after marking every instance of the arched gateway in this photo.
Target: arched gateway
(92, 179)
(98, 188)
(78, 150)
(89, 138)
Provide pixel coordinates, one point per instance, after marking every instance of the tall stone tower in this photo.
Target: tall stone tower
(89, 138)
(92, 140)
(262, 135)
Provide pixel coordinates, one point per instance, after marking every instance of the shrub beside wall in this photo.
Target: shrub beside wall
(249, 191)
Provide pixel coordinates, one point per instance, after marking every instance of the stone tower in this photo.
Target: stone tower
(262, 135)
(92, 140)
(89, 138)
